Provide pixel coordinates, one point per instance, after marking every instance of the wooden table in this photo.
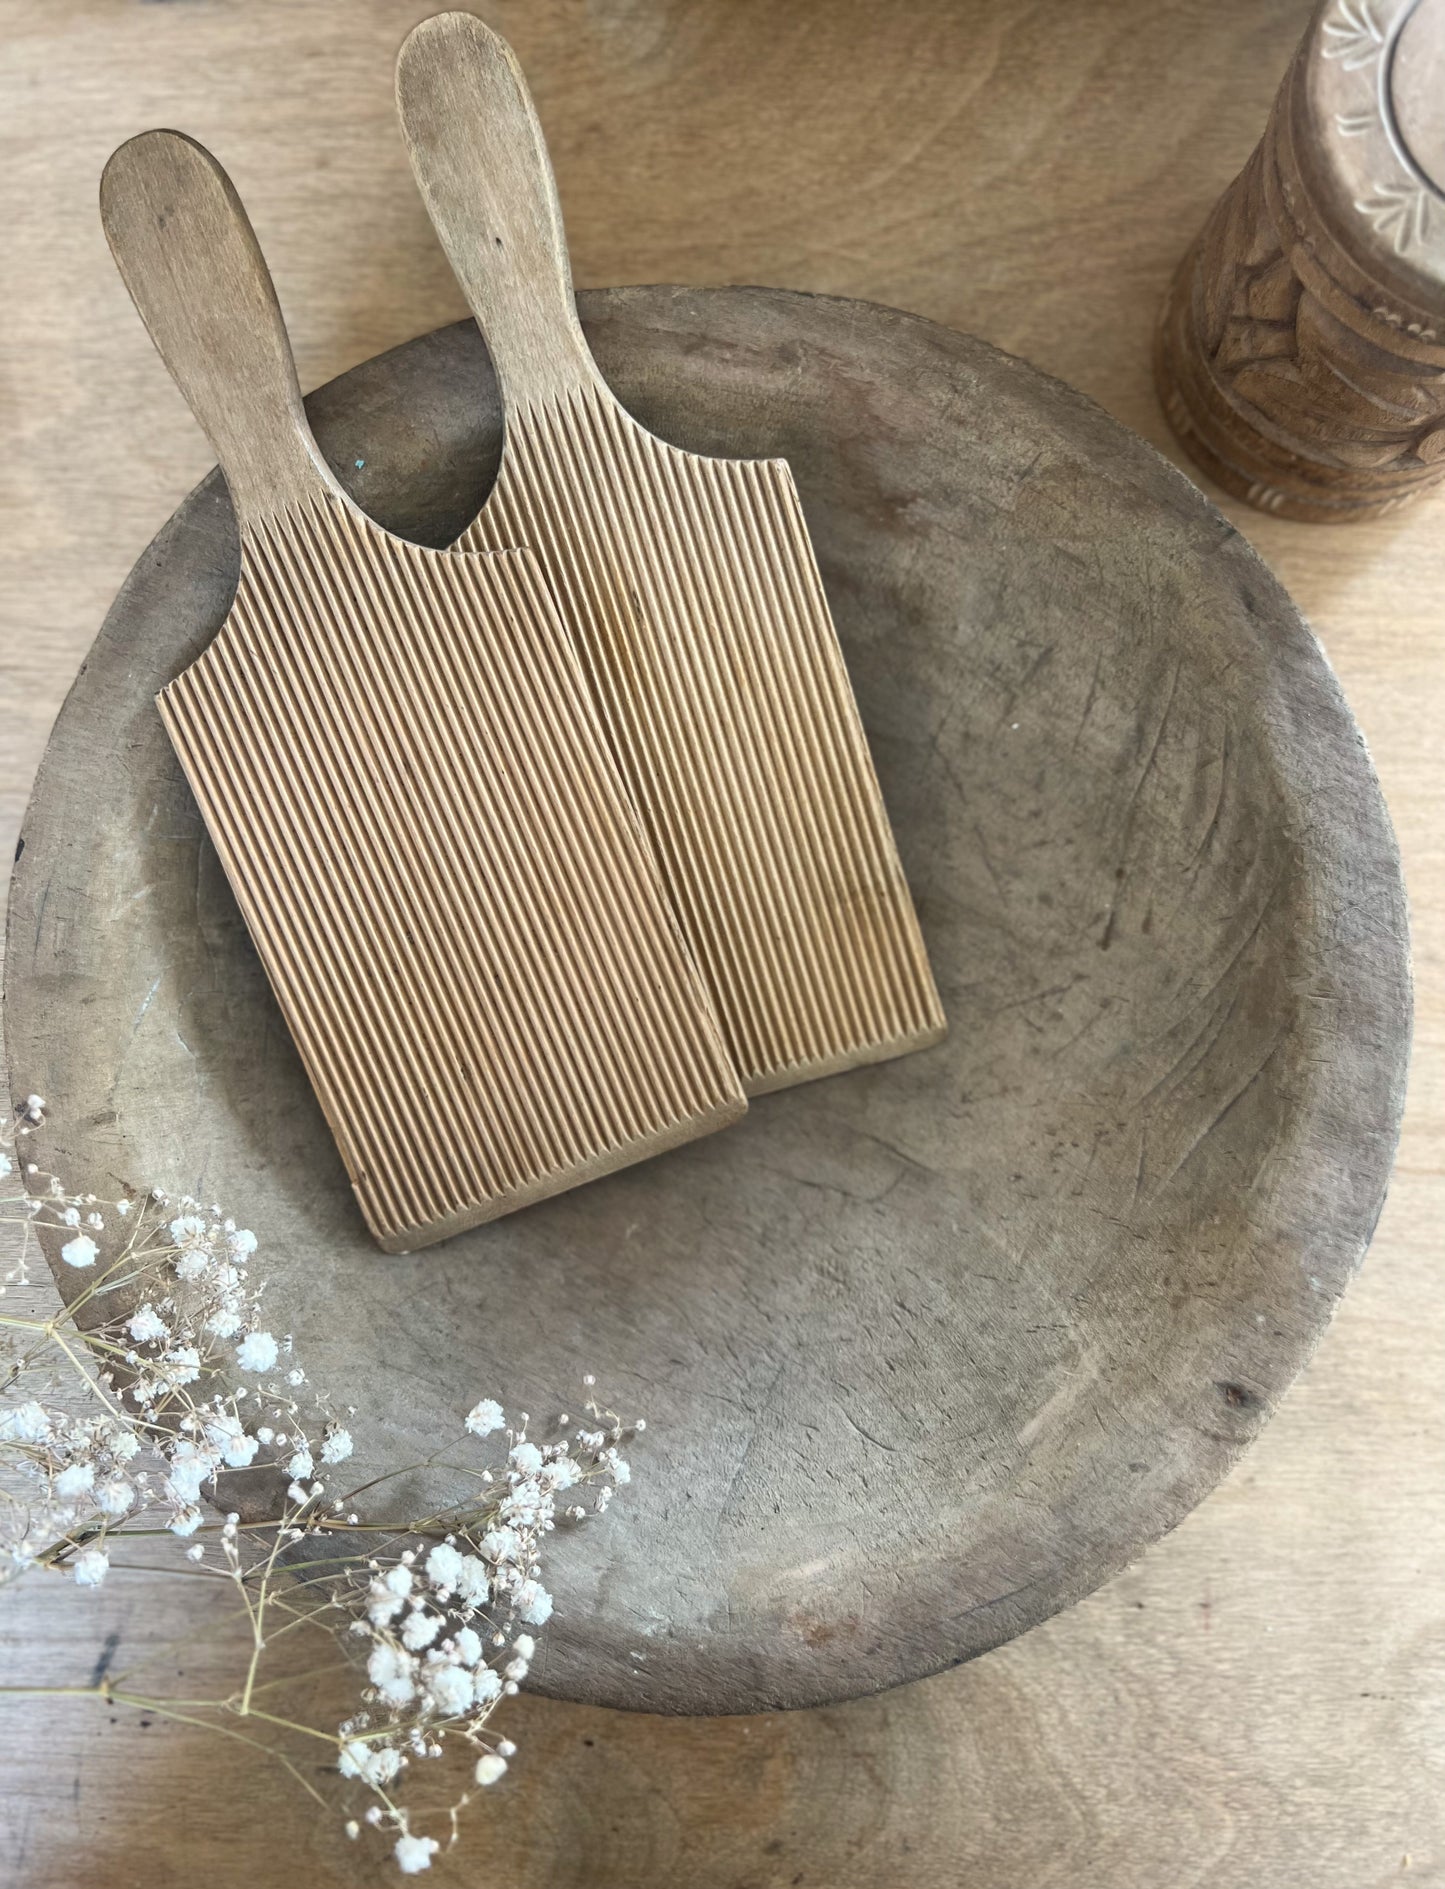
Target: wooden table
(1265, 1692)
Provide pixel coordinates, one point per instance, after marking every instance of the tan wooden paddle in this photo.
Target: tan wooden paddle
(692, 591)
(396, 757)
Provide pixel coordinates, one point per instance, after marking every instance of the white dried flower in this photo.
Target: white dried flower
(115, 1496)
(336, 1444)
(448, 1687)
(485, 1417)
(91, 1567)
(444, 1566)
(375, 1764)
(73, 1481)
(429, 1617)
(534, 1603)
(420, 1628)
(224, 1432)
(382, 1607)
(26, 1423)
(147, 1325)
(500, 1544)
(473, 1585)
(526, 1502)
(189, 1466)
(415, 1853)
(486, 1685)
(390, 1671)
(257, 1351)
(526, 1458)
(188, 1231)
(181, 1365)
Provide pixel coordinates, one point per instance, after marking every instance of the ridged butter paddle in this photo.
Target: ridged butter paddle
(396, 757)
(693, 594)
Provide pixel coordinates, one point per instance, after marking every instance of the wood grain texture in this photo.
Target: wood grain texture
(1301, 349)
(693, 594)
(399, 766)
(1263, 1694)
(709, 647)
(1064, 1262)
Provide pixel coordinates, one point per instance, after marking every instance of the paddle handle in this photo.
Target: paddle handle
(481, 164)
(186, 251)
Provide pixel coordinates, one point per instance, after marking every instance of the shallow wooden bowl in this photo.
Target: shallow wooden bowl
(930, 1349)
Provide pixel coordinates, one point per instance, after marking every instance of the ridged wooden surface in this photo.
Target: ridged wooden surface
(692, 591)
(1262, 1697)
(395, 755)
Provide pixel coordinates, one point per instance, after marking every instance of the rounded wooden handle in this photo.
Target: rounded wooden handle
(481, 165)
(186, 251)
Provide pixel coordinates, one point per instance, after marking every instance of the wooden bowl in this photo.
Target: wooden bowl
(930, 1349)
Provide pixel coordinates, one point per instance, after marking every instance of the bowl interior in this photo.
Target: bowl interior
(925, 1350)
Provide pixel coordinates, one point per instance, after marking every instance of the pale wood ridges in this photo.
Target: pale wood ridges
(1127, 1740)
(444, 884)
(692, 591)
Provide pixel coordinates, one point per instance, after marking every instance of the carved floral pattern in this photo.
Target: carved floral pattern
(1289, 389)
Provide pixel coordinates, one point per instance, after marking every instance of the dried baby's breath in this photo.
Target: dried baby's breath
(185, 1386)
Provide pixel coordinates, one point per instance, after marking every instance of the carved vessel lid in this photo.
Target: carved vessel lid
(1368, 104)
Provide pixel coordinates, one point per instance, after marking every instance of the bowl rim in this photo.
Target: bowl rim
(1325, 763)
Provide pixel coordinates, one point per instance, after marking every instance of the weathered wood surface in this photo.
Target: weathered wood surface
(935, 1347)
(693, 596)
(1301, 349)
(1263, 1692)
(409, 789)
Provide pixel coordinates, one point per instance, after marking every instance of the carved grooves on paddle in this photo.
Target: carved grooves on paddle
(441, 874)
(693, 592)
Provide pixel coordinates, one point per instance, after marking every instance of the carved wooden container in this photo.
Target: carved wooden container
(1301, 349)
